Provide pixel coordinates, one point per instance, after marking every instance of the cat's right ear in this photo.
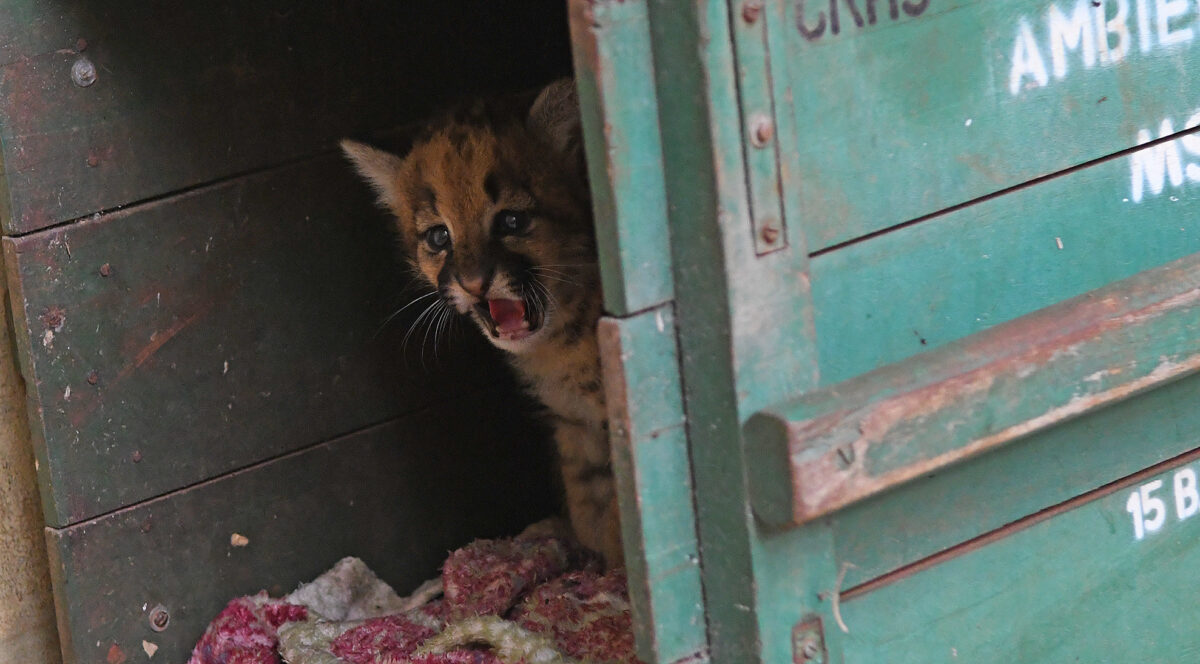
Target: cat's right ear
(381, 169)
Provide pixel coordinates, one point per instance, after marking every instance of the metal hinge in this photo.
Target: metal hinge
(760, 144)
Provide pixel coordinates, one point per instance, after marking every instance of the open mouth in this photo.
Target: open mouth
(510, 320)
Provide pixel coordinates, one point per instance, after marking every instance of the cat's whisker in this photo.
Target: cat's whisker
(397, 312)
(413, 328)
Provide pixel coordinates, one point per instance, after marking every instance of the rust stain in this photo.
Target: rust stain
(115, 655)
(53, 318)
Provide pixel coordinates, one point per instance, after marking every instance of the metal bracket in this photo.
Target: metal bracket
(751, 28)
(808, 641)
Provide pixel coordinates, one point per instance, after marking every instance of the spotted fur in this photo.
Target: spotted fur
(506, 191)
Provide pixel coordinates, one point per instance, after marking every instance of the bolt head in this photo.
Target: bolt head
(762, 130)
(159, 618)
(751, 11)
(105, 270)
(83, 72)
(769, 232)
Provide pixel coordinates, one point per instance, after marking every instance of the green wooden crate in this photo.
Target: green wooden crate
(199, 286)
(933, 315)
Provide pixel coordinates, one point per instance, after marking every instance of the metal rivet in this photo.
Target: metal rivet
(81, 44)
(105, 270)
(83, 72)
(769, 232)
(752, 10)
(762, 130)
(159, 618)
(93, 377)
(809, 650)
(93, 161)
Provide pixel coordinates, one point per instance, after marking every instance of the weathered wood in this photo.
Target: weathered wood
(614, 73)
(907, 108)
(651, 462)
(960, 503)
(187, 93)
(27, 629)
(859, 439)
(399, 496)
(178, 340)
(911, 290)
(1071, 584)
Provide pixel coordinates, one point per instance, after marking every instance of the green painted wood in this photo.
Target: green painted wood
(745, 330)
(236, 323)
(399, 496)
(965, 501)
(650, 458)
(933, 103)
(614, 74)
(871, 434)
(915, 289)
(1075, 587)
(187, 93)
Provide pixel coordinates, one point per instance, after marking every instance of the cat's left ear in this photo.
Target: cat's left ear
(555, 115)
(381, 169)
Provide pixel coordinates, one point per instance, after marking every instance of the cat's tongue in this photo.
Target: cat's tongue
(509, 315)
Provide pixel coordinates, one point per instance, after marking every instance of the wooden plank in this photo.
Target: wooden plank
(858, 439)
(1073, 584)
(235, 323)
(907, 108)
(650, 458)
(27, 629)
(915, 289)
(918, 520)
(614, 73)
(744, 321)
(399, 496)
(227, 87)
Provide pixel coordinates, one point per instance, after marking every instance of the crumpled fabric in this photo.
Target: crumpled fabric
(533, 599)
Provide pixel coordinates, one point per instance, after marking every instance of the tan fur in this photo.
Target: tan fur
(461, 175)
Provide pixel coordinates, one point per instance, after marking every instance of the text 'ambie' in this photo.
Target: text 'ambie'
(1096, 32)
(817, 20)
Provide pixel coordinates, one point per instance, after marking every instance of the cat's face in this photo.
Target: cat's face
(493, 213)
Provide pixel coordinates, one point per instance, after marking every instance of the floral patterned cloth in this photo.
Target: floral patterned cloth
(533, 599)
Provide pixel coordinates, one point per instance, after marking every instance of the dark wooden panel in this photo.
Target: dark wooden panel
(399, 496)
(236, 323)
(186, 92)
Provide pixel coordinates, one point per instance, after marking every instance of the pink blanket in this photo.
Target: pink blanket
(527, 600)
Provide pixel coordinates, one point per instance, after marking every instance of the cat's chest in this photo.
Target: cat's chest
(568, 385)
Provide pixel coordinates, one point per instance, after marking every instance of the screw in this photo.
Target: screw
(137, 456)
(762, 130)
(93, 161)
(810, 650)
(105, 270)
(81, 44)
(846, 455)
(83, 72)
(93, 377)
(159, 618)
(769, 232)
(751, 11)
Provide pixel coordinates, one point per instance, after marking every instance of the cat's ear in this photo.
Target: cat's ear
(381, 169)
(555, 115)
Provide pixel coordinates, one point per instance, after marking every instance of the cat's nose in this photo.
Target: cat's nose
(473, 285)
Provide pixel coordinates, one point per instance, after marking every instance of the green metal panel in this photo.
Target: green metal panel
(383, 494)
(188, 92)
(174, 341)
(614, 74)
(1072, 584)
(914, 289)
(907, 108)
(650, 457)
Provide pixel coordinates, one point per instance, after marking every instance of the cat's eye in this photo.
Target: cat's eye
(510, 222)
(437, 238)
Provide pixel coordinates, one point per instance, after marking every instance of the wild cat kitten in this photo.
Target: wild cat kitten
(493, 209)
